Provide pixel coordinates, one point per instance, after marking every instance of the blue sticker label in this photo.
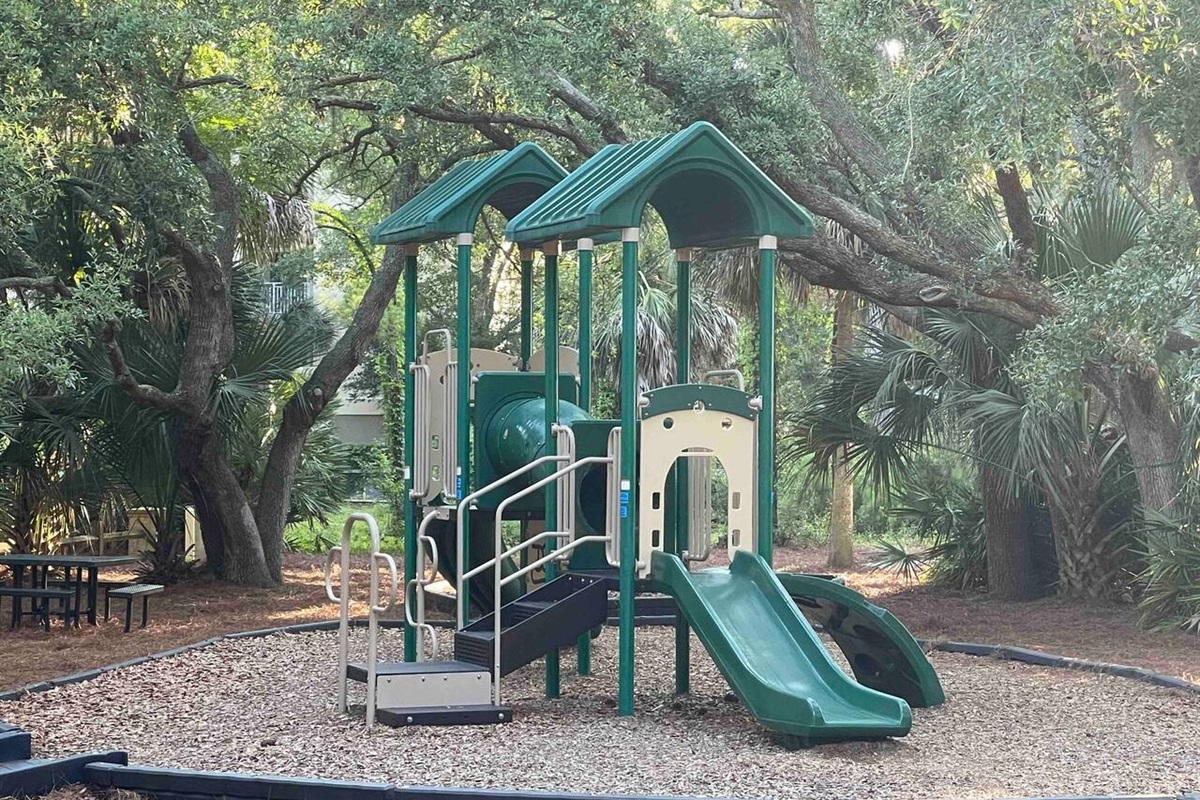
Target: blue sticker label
(625, 496)
(458, 486)
(624, 511)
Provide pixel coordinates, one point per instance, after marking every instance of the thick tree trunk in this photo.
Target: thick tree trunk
(1084, 567)
(224, 512)
(841, 517)
(841, 510)
(1152, 434)
(1009, 561)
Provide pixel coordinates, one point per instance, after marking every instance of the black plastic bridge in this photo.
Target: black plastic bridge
(554, 615)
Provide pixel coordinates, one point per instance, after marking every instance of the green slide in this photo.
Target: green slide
(771, 656)
(881, 651)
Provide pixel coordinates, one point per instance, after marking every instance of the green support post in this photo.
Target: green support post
(462, 480)
(683, 374)
(550, 342)
(766, 381)
(526, 347)
(628, 476)
(410, 503)
(526, 307)
(583, 647)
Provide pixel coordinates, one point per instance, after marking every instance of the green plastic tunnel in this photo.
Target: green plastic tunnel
(513, 436)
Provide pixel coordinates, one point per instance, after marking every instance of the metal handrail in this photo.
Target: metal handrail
(343, 599)
(450, 463)
(419, 582)
(496, 562)
(464, 508)
(435, 332)
(699, 507)
(515, 550)
(373, 605)
(420, 444)
(612, 519)
(564, 439)
(726, 373)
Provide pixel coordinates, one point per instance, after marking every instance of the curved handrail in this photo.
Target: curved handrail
(496, 562)
(464, 508)
(438, 332)
(420, 448)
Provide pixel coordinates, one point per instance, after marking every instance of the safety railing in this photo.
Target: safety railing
(421, 432)
(375, 608)
(464, 508)
(564, 439)
(500, 580)
(450, 475)
(417, 585)
(699, 506)
(444, 333)
(612, 517)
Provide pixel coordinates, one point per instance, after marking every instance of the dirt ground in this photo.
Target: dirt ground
(197, 610)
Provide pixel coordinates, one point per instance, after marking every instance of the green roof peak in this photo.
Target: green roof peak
(508, 182)
(708, 193)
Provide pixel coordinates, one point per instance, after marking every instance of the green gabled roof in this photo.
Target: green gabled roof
(708, 193)
(450, 205)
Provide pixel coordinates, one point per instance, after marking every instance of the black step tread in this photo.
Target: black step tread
(358, 671)
(444, 715)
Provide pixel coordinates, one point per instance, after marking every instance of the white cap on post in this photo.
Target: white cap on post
(683, 254)
(467, 239)
(631, 234)
(768, 243)
(585, 244)
(550, 248)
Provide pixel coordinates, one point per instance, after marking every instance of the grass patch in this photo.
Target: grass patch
(313, 537)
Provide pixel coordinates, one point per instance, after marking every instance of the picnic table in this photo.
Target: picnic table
(35, 562)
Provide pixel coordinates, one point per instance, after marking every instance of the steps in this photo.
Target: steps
(552, 616)
(432, 693)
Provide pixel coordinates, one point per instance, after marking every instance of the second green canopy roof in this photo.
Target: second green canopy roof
(508, 182)
(708, 193)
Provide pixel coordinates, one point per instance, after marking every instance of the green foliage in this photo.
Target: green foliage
(1171, 577)
(317, 536)
(905, 559)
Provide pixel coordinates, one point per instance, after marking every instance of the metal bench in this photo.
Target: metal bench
(128, 593)
(40, 610)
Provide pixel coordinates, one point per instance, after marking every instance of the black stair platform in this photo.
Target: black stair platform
(444, 715)
(552, 616)
(358, 671)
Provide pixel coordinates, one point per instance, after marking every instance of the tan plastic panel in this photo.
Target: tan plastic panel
(568, 361)
(664, 439)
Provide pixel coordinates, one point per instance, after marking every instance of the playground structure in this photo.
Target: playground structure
(607, 505)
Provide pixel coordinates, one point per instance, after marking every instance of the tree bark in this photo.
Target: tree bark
(841, 505)
(225, 516)
(1152, 434)
(1009, 561)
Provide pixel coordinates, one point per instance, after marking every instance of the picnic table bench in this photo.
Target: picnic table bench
(41, 610)
(39, 566)
(128, 594)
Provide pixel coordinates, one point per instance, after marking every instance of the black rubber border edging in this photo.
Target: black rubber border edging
(1042, 659)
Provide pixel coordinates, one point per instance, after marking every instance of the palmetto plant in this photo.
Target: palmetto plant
(713, 328)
